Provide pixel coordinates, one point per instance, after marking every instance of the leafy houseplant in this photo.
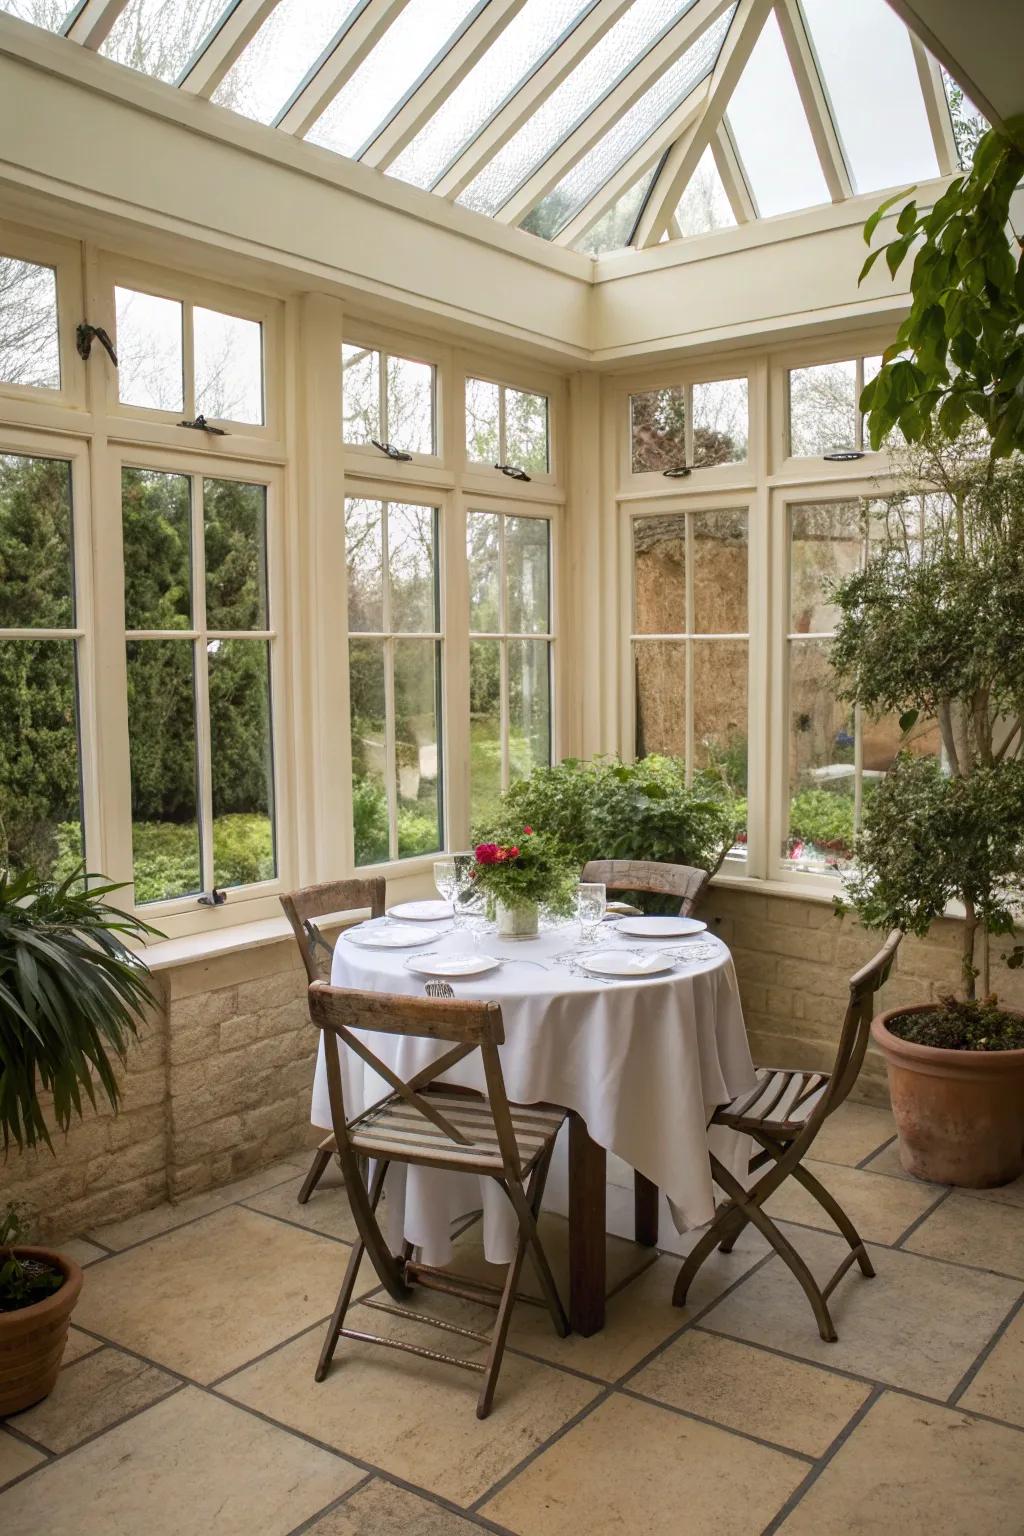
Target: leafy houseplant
(70, 991)
(522, 872)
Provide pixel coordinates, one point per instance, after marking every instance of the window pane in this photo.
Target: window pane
(483, 441)
(241, 760)
(719, 423)
(826, 544)
(484, 728)
(360, 394)
(423, 32)
(149, 354)
(364, 555)
(29, 347)
(658, 430)
(704, 205)
(162, 739)
(266, 74)
(410, 405)
(719, 572)
(483, 546)
(769, 125)
(412, 566)
(417, 746)
(156, 524)
(54, 15)
(228, 365)
(659, 575)
(40, 801)
(720, 671)
(369, 754)
(526, 431)
(159, 37)
(529, 707)
(36, 584)
(660, 675)
(527, 561)
(969, 125)
(821, 763)
(235, 542)
(822, 409)
(615, 226)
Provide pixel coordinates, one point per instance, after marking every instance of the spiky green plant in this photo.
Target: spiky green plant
(70, 994)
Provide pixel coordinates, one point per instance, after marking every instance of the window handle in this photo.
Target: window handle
(677, 472)
(86, 334)
(513, 471)
(391, 451)
(202, 425)
(214, 898)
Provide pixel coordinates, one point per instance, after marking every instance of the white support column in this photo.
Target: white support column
(239, 28)
(814, 98)
(734, 177)
(936, 105)
(94, 21)
(357, 41)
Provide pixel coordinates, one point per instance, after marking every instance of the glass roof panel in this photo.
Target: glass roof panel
(269, 70)
(159, 37)
(868, 67)
(423, 32)
(627, 133)
(54, 15)
(969, 125)
(509, 61)
(614, 227)
(704, 205)
(771, 133)
(579, 93)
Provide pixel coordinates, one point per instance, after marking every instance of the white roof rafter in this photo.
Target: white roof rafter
(94, 21)
(814, 97)
(734, 178)
(358, 39)
(936, 104)
(237, 30)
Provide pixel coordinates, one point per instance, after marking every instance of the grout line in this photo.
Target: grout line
(237, 1370)
(972, 1370)
(328, 1509)
(97, 1434)
(865, 1162)
(728, 1429)
(298, 1226)
(812, 1477)
(911, 1253)
(627, 1280)
(545, 1445)
(920, 1220)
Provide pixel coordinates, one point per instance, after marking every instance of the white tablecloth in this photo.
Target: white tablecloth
(644, 1062)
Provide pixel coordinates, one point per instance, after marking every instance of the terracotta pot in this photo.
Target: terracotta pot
(32, 1339)
(960, 1114)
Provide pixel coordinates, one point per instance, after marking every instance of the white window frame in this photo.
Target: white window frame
(29, 403)
(364, 458)
(702, 479)
(787, 467)
(491, 471)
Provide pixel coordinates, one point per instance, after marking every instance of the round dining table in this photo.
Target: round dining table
(640, 1062)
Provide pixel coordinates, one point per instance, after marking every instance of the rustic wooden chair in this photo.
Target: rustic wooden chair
(783, 1115)
(430, 1124)
(302, 908)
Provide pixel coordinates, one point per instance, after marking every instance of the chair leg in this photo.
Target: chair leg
(363, 1207)
(529, 1210)
(321, 1157)
(348, 1284)
(496, 1351)
(831, 1206)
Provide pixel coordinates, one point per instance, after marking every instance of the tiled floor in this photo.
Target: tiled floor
(187, 1402)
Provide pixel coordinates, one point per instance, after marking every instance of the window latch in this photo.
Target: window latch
(677, 472)
(842, 455)
(392, 452)
(214, 898)
(202, 425)
(86, 334)
(513, 471)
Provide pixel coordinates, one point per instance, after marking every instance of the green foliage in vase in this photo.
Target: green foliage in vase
(519, 866)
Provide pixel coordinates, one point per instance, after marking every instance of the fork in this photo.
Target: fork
(439, 989)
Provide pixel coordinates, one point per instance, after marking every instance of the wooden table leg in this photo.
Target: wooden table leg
(586, 1230)
(645, 1211)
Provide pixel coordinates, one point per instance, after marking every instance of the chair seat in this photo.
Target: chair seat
(394, 1129)
(782, 1100)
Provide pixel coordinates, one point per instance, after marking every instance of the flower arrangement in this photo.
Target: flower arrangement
(525, 869)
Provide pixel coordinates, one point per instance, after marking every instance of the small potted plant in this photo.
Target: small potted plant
(518, 874)
(70, 991)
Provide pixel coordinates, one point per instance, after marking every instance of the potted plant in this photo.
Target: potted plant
(70, 991)
(520, 873)
(932, 631)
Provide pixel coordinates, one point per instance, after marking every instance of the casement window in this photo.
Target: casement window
(824, 411)
(688, 426)
(389, 402)
(181, 357)
(29, 336)
(507, 428)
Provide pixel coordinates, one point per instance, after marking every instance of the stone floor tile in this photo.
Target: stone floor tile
(164, 1218)
(84, 1253)
(919, 1324)
(740, 1387)
(15, 1458)
(918, 1469)
(1005, 1194)
(413, 1418)
(854, 1131)
(977, 1232)
(623, 1258)
(998, 1388)
(189, 1466)
(327, 1210)
(381, 1509)
(79, 1344)
(888, 1161)
(207, 1298)
(880, 1208)
(90, 1396)
(633, 1467)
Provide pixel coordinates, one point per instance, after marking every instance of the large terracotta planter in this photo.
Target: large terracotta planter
(32, 1339)
(960, 1114)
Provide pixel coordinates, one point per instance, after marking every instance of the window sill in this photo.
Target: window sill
(165, 954)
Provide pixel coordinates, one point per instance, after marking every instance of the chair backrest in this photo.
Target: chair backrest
(464, 1023)
(680, 880)
(853, 1038)
(304, 906)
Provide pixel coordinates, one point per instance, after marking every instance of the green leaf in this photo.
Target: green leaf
(875, 218)
(866, 268)
(908, 720)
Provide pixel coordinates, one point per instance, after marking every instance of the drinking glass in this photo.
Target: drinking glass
(463, 865)
(591, 903)
(444, 880)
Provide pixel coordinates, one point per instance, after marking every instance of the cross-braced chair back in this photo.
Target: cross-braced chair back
(856, 1030)
(681, 880)
(305, 906)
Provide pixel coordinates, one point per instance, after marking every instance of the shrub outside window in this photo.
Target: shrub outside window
(688, 426)
(388, 399)
(506, 426)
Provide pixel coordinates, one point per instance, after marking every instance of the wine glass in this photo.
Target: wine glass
(591, 904)
(444, 880)
(463, 865)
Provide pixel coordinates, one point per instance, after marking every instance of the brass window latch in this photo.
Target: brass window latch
(86, 334)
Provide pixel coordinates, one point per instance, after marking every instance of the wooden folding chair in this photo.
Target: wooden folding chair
(429, 1124)
(302, 908)
(783, 1115)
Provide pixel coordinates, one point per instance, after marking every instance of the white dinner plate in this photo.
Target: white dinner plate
(622, 962)
(421, 911)
(452, 966)
(661, 927)
(389, 936)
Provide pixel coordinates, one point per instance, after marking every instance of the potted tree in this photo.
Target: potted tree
(70, 991)
(932, 631)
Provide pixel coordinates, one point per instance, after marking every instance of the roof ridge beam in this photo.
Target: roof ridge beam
(534, 91)
(94, 21)
(810, 83)
(681, 35)
(359, 38)
(236, 31)
(674, 177)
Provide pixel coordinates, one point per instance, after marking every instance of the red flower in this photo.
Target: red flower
(487, 853)
(527, 831)
(508, 853)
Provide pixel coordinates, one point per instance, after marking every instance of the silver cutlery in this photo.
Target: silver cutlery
(439, 989)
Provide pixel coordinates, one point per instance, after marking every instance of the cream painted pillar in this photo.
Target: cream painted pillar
(592, 628)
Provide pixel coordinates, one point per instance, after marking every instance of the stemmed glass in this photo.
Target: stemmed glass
(591, 904)
(444, 880)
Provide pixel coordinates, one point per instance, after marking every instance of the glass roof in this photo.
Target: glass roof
(497, 132)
